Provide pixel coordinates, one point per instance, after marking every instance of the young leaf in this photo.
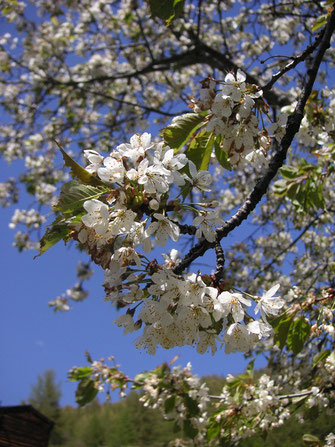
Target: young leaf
(319, 357)
(169, 404)
(281, 329)
(189, 430)
(213, 432)
(80, 373)
(250, 369)
(289, 172)
(166, 9)
(85, 392)
(57, 230)
(180, 130)
(200, 150)
(78, 171)
(221, 155)
(191, 406)
(298, 334)
(74, 194)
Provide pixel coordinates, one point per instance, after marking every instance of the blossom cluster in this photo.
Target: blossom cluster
(232, 117)
(129, 217)
(260, 402)
(143, 173)
(189, 397)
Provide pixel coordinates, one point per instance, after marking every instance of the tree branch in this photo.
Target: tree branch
(262, 184)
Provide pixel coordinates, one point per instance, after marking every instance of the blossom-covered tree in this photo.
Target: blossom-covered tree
(243, 95)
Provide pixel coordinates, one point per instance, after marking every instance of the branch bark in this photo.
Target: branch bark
(262, 184)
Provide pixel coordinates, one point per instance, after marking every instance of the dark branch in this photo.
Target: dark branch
(262, 184)
(294, 62)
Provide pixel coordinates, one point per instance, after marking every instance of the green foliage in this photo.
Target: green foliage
(281, 326)
(78, 172)
(86, 390)
(200, 149)
(291, 332)
(298, 334)
(45, 396)
(319, 22)
(292, 433)
(57, 230)
(166, 9)
(181, 129)
(73, 196)
(221, 155)
(302, 185)
(70, 204)
(320, 357)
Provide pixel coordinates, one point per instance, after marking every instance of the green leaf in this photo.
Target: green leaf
(166, 9)
(280, 187)
(319, 357)
(57, 230)
(250, 369)
(140, 379)
(181, 129)
(74, 194)
(221, 155)
(213, 432)
(191, 406)
(80, 373)
(311, 439)
(281, 329)
(189, 429)
(85, 392)
(298, 334)
(320, 21)
(169, 404)
(289, 172)
(200, 150)
(79, 172)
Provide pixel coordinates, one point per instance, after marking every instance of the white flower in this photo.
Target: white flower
(222, 106)
(234, 86)
(163, 228)
(139, 144)
(125, 321)
(269, 304)
(126, 256)
(97, 217)
(60, 304)
(154, 178)
(122, 220)
(237, 338)
(234, 303)
(113, 170)
(95, 160)
(77, 293)
(206, 219)
(201, 179)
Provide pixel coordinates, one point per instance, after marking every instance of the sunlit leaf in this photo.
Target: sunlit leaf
(166, 9)
(79, 172)
(200, 150)
(74, 194)
(57, 231)
(320, 357)
(180, 130)
(298, 334)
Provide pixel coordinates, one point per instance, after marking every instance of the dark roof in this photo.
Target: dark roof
(24, 426)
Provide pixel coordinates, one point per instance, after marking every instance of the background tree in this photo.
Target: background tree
(45, 396)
